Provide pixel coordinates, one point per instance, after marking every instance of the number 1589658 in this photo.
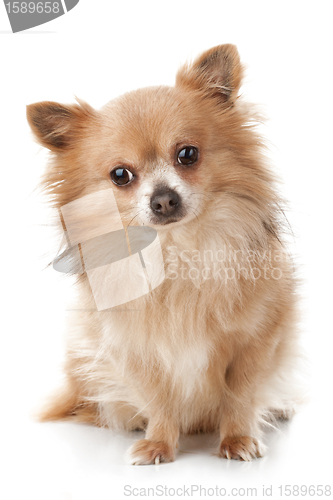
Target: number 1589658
(33, 7)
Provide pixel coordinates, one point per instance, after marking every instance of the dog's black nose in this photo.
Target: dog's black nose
(164, 202)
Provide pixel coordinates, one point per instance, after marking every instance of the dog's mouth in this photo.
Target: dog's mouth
(179, 215)
(160, 222)
(163, 223)
(169, 221)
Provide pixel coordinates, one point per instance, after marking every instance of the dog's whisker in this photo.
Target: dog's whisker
(134, 217)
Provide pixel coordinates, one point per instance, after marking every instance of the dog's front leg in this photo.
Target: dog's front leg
(241, 405)
(239, 430)
(160, 442)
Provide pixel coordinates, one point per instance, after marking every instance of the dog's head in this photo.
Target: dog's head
(167, 152)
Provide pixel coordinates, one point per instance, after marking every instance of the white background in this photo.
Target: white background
(98, 51)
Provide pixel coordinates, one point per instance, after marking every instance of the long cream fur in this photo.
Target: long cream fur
(213, 348)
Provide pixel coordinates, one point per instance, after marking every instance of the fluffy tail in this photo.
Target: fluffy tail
(66, 404)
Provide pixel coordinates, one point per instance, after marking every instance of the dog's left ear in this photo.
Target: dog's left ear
(217, 73)
(59, 127)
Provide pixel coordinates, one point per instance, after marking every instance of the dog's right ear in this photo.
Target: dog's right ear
(59, 127)
(217, 73)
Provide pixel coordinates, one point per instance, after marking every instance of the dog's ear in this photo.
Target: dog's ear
(217, 73)
(59, 127)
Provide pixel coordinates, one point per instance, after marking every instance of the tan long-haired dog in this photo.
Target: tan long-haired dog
(213, 346)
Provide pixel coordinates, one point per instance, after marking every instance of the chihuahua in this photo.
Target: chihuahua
(213, 347)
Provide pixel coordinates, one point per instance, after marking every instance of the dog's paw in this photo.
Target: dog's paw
(138, 423)
(283, 414)
(241, 448)
(145, 452)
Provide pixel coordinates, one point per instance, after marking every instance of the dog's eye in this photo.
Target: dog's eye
(121, 176)
(188, 155)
